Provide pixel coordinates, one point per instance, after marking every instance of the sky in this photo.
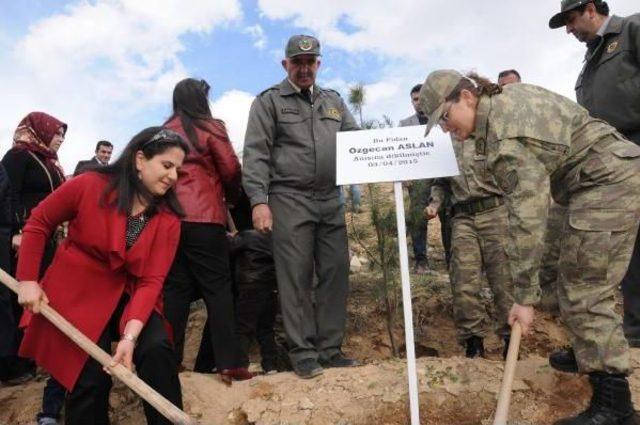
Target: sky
(108, 67)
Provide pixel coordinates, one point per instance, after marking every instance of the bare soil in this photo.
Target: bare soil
(453, 390)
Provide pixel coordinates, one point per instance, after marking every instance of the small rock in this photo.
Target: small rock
(356, 265)
(306, 404)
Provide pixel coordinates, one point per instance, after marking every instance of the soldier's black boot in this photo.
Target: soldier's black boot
(610, 403)
(475, 347)
(564, 360)
(505, 350)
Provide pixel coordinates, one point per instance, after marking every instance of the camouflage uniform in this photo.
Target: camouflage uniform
(548, 273)
(479, 233)
(527, 134)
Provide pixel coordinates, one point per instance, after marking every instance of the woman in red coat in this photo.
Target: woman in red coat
(106, 278)
(209, 177)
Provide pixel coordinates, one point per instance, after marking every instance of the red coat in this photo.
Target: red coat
(205, 177)
(91, 270)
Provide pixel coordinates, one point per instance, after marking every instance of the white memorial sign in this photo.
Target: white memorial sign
(393, 154)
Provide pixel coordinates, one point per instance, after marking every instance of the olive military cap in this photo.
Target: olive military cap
(438, 85)
(302, 45)
(566, 6)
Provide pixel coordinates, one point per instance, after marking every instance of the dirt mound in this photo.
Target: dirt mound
(452, 391)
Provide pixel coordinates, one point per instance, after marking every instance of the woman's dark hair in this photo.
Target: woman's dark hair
(191, 104)
(475, 84)
(123, 174)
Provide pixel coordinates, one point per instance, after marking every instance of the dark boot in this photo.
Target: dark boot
(610, 403)
(505, 350)
(564, 360)
(475, 347)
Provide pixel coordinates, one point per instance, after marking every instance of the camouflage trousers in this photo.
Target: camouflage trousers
(548, 273)
(478, 245)
(595, 249)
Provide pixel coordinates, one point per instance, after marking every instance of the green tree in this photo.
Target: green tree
(384, 223)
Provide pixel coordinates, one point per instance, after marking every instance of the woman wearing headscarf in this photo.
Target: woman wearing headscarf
(33, 169)
(33, 173)
(209, 178)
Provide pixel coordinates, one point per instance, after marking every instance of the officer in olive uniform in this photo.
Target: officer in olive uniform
(529, 139)
(609, 88)
(480, 229)
(290, 178)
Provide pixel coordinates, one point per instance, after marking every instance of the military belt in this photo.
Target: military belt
(478, 206)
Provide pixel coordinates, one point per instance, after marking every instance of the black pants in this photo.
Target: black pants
(631, 282)
(8, 322)
(202, 266)
(256, 307)
(53, 397)
(445, 232)
(88, 403)
(11, 365)
(631, 296)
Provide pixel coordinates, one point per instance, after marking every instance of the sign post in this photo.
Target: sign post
(396, 155)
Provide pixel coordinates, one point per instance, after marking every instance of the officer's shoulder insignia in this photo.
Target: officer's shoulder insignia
(612, 46)
(333, 113)
(332, 91)
(276, 87)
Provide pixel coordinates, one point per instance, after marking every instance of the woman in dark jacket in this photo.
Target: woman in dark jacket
(209, 176)
(33, 170)
(11, 367)
(33, 173)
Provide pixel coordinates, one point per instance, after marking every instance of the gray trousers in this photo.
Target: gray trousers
(310, 236)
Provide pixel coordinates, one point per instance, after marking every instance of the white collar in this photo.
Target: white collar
(603, 27)
(298, 89)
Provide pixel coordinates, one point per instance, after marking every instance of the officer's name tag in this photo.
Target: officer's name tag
(393, 154)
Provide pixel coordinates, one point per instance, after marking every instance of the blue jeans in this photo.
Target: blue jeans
(355, 196)
(52, 399)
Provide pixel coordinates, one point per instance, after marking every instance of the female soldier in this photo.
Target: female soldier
(525, 135)
(479, 227)
(123, 234)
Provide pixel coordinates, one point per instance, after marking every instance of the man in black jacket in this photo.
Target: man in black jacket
(104, 149)
(609, 88)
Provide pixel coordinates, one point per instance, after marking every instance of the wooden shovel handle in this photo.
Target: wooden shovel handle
(504, 397)
(137, 385)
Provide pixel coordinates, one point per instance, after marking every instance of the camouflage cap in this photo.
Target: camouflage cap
(302, 45)
(566, 6)
(438, 85)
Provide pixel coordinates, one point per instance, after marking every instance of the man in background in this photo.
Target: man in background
(419, 191)
(104, 149)
(508, 76)
(609, 88)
